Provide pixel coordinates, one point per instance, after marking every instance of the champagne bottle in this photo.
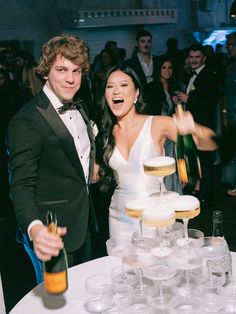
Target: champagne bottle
(225, 263)
(55, 270)
(188, 163)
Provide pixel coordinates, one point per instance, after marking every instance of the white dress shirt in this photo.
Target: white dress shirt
(76, 125)
(192, 79)
(147, 68)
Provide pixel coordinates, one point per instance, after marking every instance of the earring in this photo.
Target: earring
(135, 101)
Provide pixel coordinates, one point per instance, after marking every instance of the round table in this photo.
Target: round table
(37, 301)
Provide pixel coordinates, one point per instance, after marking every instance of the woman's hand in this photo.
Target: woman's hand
(184, 123)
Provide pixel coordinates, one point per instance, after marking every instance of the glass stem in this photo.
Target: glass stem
(161, 186)
(123, 269)
(161, 292)
(185, 220)
(187, 277)
(141, 229)
(140, 279)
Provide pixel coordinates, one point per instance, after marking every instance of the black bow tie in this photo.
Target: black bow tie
(69, 106)
(193, 73)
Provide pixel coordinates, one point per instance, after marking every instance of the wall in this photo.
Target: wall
(33, 22)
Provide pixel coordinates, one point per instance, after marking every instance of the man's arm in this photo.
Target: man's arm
(24, 142)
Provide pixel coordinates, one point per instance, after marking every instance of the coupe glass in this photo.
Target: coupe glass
(160, 217)
(189, 255)
(160, 167)
(119, 298)
(141, 305)
(138, 257)
(118, 247)
(163, 268)
(134, 209)
(186, 207)
(97, 285)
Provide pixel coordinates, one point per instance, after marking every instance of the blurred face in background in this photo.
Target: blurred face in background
(196, 59)
(145, 44)
(231, 46)
(166, 70)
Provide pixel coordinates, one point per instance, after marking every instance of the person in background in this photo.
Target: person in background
(51, 156)
(146, 66)
(229, 169)
(166, 86)
(200, 98)
(107, 60)
(127, 138)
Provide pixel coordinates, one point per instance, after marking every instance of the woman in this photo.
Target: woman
(107, 60)
(165, 89)
(128, 138)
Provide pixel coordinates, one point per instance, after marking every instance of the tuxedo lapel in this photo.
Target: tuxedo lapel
(91, 137)
(67, 142)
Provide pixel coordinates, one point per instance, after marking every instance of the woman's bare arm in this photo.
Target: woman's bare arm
(166, 127)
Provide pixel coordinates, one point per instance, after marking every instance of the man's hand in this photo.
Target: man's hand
(46, 244)
(182, 97)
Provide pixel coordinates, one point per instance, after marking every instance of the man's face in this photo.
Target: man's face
(145, 44)
(231, 46)
(196, 59)
(64, 79)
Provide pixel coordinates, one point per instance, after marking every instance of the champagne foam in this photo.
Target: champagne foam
(159, 161)
(141, 203)
(158, 212)
(185, 203)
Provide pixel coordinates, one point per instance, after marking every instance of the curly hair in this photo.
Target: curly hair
(70, 47)
(105, 141)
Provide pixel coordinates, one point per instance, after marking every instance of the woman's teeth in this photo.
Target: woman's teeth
(118, 100)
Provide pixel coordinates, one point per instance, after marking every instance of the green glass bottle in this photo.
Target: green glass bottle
(55, 270)
(188, 163)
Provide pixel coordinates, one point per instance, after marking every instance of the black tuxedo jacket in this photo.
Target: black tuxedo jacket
(203, 97)
(147, 89)
(46, 172)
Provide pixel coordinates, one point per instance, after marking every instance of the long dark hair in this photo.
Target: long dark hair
(105, 141)
(172, 84)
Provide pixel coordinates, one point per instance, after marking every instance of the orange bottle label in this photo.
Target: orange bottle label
(182, 169)
(55, 282)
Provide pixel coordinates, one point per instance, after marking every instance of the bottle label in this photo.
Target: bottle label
(55, 282)
(182, 169)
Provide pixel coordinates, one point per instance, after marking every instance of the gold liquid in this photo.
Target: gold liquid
(133, 213)
(160, 171)
(159, 223)
(189, 214)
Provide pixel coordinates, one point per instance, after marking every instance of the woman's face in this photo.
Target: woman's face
(166, 70)
(121, 93)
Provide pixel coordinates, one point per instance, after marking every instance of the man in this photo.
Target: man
(200, 98)
(51, 155)
(146, 66)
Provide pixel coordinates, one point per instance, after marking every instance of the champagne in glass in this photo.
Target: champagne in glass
(134, 209)
(186, 207)
(160, 167)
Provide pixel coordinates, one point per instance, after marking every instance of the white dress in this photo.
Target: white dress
(132, 182)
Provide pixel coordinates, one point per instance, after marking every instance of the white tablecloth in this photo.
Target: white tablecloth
(38, 302)
(72, 301)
